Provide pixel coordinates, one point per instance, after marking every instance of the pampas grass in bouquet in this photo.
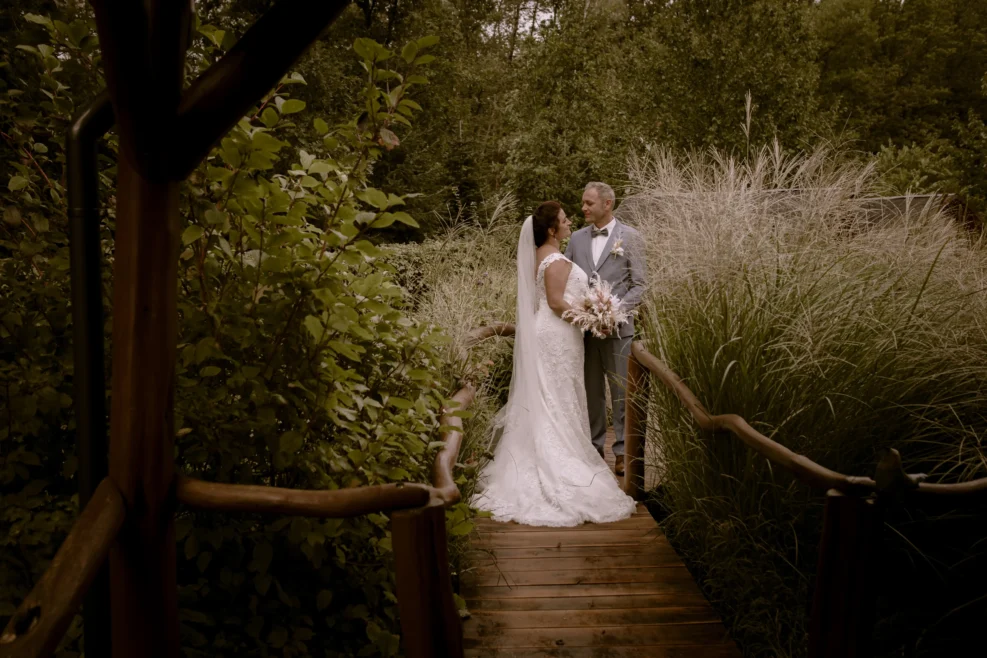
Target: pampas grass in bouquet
(599, 312)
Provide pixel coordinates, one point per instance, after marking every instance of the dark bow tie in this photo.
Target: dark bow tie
(600, 231)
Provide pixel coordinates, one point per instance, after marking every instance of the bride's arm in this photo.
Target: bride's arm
(556, 278)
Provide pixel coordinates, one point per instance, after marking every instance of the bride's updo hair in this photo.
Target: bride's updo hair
(546, 217)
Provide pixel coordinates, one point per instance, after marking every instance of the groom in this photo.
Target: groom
(614, 252)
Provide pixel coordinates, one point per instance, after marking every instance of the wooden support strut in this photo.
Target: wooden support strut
(430, 624)
(635, 427)
(843, 604)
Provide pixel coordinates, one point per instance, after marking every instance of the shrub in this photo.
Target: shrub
(299, 364)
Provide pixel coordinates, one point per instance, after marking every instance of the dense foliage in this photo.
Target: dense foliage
(299, 364)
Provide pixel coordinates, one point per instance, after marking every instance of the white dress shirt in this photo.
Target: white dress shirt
(600, 241)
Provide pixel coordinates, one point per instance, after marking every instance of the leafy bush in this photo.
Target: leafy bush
(298, 366)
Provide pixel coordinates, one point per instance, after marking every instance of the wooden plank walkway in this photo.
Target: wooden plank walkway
(600, 591)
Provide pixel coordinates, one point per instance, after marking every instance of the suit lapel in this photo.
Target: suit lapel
(587, 248)
(609, 246)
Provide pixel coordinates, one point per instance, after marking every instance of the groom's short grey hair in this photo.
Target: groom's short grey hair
(604, 190)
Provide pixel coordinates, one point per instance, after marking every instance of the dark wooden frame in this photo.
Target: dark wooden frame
(127, 521)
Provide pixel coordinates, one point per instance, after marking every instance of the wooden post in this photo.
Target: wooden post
(635, 427)
(430, 624)
(843, 603)
(142, 460)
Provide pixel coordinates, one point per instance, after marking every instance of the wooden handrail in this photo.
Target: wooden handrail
(489, 331)
(325, 504)
(843, 605)
(443, 480)
(800, 466)
(43, 617)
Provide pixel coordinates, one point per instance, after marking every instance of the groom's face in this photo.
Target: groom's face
(594, 208)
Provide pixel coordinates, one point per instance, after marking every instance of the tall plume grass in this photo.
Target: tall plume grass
(833, 330)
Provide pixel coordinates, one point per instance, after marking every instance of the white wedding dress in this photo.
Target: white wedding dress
(545, 470)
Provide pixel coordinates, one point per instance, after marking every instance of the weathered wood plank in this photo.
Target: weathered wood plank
(688, 651)
(498, 621)
(564, 577)
(479, 552)
(563, 538)
(494, 562)
(698, 634)
(601, 602)
(638, 521)
(600, 589)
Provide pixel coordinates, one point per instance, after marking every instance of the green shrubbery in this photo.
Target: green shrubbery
(299, 364)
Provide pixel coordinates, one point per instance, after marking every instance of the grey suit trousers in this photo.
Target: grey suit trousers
(606, 361)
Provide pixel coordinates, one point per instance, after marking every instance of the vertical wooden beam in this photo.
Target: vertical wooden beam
(843, 603)
(142, 564)
(430, 624)
(635, 427)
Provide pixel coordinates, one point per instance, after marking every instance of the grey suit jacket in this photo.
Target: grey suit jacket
(627, 273)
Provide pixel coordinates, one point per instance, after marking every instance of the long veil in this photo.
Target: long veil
(524, 377)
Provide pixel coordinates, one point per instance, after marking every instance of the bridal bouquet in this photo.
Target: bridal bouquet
(599, 312)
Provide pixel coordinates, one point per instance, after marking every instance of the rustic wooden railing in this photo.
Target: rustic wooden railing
(844, 597)
(430, 623)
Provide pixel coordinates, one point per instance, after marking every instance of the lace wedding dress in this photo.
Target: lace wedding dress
(545, 470)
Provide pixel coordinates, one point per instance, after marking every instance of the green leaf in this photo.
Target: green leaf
(461, 529)
(385, 220)
(424, 59)
(290, 442)
(365, 48)
(374, 197)
(351, 352)
(192, 233)
(17, 183)
(410, 103)
(191, 547)
(292, 106)
(405, 219)
(277, 637)
(270, 117)
(389, 139)
(219, 174)
(409, 52)
(428, 42)
(416, 79)
(321, 127)
(323, 600)
(214, 216)
(314, 326)
(40, 20)
(400, 403)
(266, 142)
(263, 554)
(210, 371)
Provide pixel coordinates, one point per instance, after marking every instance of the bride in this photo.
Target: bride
(545, 470)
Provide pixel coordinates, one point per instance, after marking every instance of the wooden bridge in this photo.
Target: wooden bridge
(534, 591)
(609, 591)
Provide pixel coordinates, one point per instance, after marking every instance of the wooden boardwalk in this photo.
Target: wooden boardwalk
(601, 591)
